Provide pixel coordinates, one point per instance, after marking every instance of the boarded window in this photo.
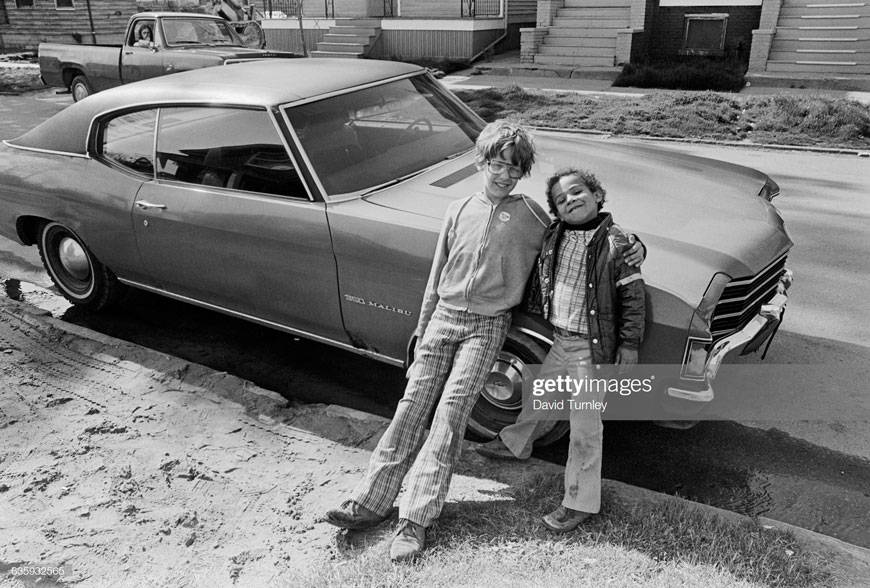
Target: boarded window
(704, 34)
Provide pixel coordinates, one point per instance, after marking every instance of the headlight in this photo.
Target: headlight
(769, 190)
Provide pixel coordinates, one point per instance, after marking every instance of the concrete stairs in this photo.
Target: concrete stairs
(584, 34)
(350, 38)
(829, 37)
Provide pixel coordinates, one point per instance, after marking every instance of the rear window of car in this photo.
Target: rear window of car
(233, 148)
(128, 141)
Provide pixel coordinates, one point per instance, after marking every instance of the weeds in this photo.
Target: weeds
(778, 119)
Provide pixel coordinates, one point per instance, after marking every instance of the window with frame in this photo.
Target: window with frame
(234, 148)
(128, 141)
(23, 3)
(64, 4)
(704, 34)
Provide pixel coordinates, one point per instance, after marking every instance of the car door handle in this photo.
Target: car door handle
(148, 205)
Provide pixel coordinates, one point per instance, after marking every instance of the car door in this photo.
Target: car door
(140, 61)
(229, 223)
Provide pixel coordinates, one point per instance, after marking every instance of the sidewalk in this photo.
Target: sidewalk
(505, 70)
(133, 468)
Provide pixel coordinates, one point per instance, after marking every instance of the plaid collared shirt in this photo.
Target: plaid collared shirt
(568, 305)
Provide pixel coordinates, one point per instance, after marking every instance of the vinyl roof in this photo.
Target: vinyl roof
(257, 83)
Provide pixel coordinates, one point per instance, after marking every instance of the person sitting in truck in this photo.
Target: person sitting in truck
(146, 37)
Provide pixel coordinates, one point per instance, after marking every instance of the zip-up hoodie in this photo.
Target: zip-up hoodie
(484, 255)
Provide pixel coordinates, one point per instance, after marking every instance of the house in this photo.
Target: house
(408, 29)
(811, 38)
(24, 24)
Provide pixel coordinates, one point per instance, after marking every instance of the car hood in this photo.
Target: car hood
(696, 216)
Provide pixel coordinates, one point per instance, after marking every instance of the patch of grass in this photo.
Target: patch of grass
(809, 119)
(502, 543)
(781, 119)
(17, 80)
(694, 74)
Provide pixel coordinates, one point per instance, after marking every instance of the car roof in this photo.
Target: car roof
(157, 13)
(256, 83)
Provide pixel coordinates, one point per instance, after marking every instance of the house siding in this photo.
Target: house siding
(28, 27)
(436, 44)
(667, 38)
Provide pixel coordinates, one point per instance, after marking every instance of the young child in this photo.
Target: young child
(486, 249)
(595, 301)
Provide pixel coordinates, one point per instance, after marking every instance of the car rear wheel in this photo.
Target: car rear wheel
(80, 88)
(501, 401)
(79, 276)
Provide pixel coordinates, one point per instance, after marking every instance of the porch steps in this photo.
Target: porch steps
(584, 34)
(830, 37)
(350, 38)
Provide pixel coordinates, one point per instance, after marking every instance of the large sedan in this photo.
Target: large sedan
(307, 195)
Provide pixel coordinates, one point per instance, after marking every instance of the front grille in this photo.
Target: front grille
(742, 299)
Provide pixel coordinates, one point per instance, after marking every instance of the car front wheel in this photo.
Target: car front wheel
(501, 400)
(79, 276)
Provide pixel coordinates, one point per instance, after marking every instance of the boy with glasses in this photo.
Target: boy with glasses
(484, 255)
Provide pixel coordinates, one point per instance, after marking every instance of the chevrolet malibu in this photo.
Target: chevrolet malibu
(306, 195)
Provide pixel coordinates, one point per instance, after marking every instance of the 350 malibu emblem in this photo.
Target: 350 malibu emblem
(378, 305)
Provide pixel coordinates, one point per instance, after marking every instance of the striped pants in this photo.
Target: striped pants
(453, 359)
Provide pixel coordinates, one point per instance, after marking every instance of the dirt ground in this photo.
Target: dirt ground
(133, 468)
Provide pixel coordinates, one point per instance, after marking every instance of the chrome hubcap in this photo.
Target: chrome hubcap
(74, 259)
(80, 92)
(504, 384)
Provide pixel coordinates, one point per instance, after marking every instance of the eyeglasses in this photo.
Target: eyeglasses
(498, 167)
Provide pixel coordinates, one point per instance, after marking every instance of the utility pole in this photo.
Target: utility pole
(91, 19)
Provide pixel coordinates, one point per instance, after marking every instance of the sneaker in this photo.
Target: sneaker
(354, 516)
(409, 541)
(565, 519)
(495, 449)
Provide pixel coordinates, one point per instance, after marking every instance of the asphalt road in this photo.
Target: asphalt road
(814, 473)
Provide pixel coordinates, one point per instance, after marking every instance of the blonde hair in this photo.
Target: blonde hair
(501, 134)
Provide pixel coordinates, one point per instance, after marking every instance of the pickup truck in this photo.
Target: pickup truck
(155, 44)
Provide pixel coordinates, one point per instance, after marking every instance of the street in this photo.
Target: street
(813, 474)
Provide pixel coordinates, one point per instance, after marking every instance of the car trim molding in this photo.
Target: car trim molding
(266, 323)
(48, 151)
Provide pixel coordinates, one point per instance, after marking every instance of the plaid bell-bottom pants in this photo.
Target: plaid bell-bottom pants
(453, 359)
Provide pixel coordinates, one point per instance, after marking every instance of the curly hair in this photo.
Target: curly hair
(586, 176)
(501, 134)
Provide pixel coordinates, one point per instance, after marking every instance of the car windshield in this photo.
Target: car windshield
(197, 31)
(374, 136)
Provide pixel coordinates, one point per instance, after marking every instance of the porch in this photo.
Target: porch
(406, 29)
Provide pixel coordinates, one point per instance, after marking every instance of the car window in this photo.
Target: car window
(371, 136)
(231, 148)
(197, 31)
(128, 140)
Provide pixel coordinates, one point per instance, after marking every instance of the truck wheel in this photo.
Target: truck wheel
(501, 401)
(79, 276)
(80, 88)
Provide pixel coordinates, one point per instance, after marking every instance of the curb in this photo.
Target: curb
(257, 401)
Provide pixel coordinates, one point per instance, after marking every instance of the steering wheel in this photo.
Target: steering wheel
(419, 121)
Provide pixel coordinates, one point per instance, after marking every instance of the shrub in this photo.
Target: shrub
(700, 74)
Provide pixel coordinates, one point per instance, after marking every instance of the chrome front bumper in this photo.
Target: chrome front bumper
(753, 335)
